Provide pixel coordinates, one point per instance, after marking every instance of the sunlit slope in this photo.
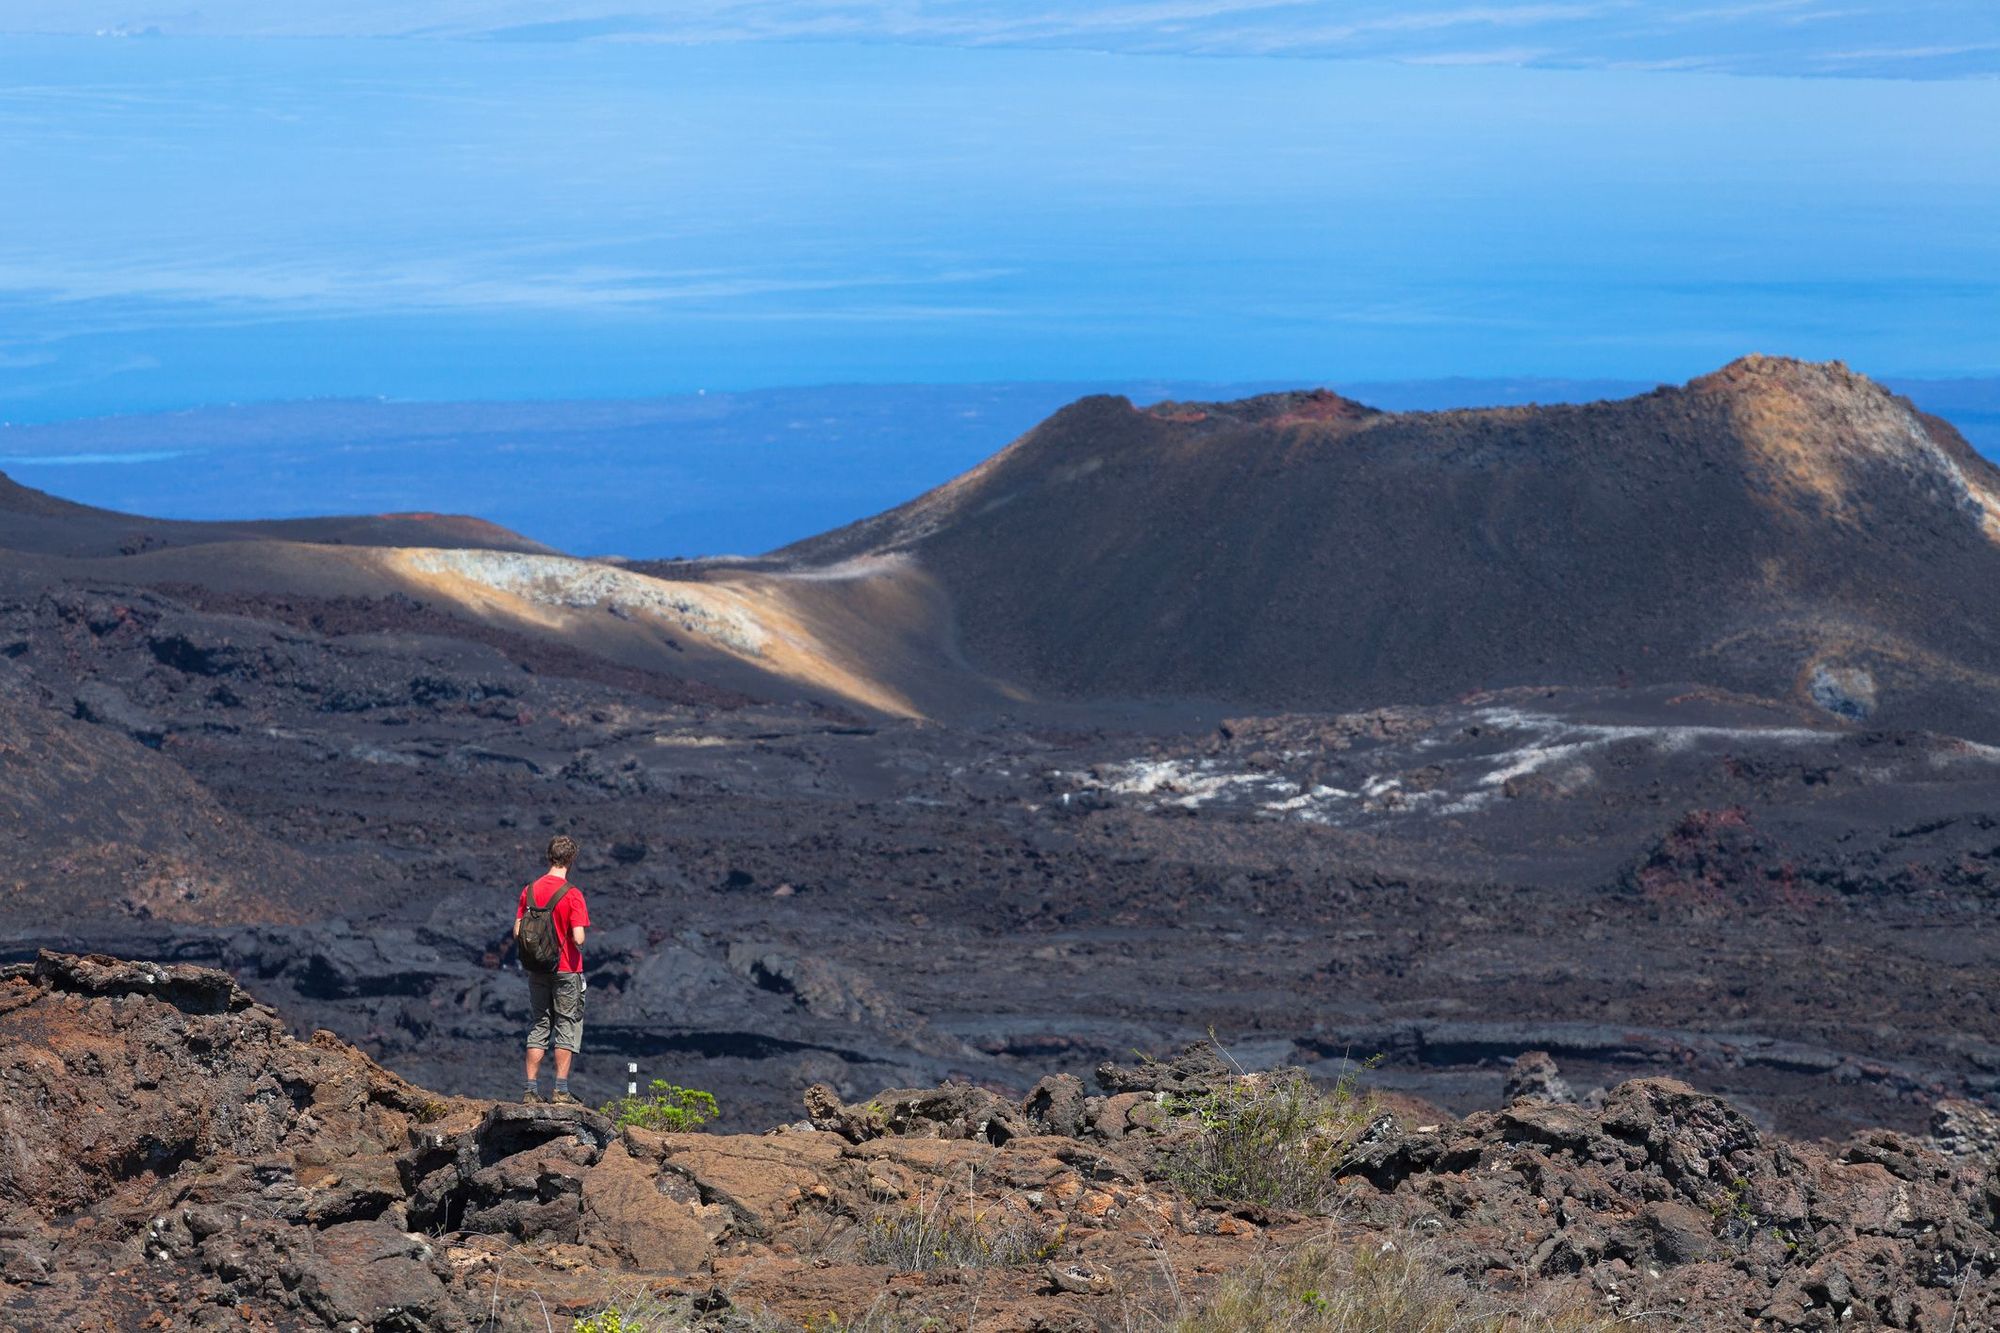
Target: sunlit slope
(871, 636)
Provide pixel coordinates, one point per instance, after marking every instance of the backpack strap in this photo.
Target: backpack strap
(556, 897)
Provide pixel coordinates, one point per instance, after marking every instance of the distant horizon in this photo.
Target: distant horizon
(1117, 385)
(666, 475)
(1613, 385)
(1082, 386)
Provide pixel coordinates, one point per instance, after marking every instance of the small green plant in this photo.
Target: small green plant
(641, 1313)
(633, 1308)
(1271, 1139)
(606, 1321)
(1734, 1205)
(667, 1107)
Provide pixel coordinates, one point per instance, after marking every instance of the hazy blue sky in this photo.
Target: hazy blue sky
(1921, 39)
(210, 218)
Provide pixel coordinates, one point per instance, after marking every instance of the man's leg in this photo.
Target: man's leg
(541, 1028)
(535, 1064)
(568, 1028)
(563, 1056)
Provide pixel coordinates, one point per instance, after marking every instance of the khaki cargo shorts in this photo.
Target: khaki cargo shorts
(555, 1002)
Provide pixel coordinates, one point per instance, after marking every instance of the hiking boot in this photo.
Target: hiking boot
(531, 1096)
(563, 1099)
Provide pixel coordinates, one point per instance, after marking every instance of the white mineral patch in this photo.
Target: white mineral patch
(1186, 783)
(1558, 749)
(1307, 800)
(1556, 739)
(560, 581)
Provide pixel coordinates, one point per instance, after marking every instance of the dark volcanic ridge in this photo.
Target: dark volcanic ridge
(33, 521)
(1784, 529)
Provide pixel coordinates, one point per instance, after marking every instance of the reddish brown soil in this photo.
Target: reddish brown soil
(176, 1160)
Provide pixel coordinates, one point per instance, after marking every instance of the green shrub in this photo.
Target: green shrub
(1271, 1139)
(668, 1108)
(608, 1321)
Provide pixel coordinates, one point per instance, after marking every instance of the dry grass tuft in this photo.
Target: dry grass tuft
(921, 1239)
(1330, 1287)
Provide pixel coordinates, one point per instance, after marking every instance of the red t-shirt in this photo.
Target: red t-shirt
(571, 911)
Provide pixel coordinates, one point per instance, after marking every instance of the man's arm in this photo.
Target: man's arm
(575, 933)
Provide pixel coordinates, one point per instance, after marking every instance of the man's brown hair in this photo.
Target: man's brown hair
(562, 850)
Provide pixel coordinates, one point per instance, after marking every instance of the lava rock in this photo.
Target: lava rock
(1534, 1074)
(108, 706)
(1056, 1105)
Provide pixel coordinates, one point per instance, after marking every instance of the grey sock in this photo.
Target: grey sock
(562, 1085)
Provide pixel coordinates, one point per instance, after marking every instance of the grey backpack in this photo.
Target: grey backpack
(537, 944)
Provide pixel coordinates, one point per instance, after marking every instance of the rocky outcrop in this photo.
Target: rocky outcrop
(1670, 1200)
(176, 1159)
(173, 1149)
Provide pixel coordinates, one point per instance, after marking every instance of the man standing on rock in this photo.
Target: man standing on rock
(548, 935)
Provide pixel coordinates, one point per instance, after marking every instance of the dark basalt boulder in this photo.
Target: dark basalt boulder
(1058, 1105)
(1196, 1071)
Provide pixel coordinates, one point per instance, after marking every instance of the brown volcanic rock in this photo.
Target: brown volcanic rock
(1670, 1200)
(175, 1157)
(1789, 529)
(171, 1144)
(136, 1069)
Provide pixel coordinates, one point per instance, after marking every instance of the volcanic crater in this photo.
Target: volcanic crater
(1658, 734)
